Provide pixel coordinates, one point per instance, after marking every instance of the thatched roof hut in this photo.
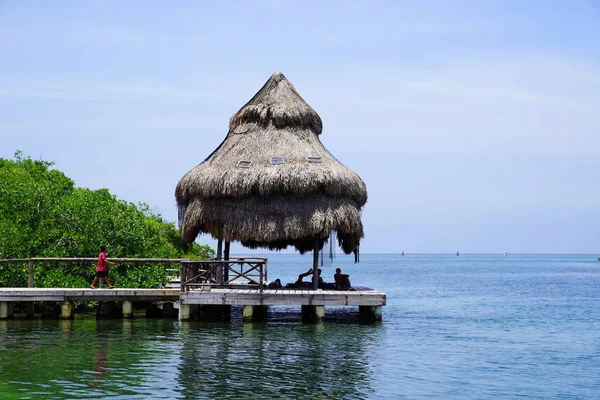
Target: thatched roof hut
(271, 183)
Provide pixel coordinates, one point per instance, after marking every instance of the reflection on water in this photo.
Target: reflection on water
(163, 359)
(275, 361)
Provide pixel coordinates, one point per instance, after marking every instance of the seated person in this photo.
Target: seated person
(300, 282)
(326, 285)
(342, 281)
(275, 285)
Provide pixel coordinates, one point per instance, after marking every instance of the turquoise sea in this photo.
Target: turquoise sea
(467, 327)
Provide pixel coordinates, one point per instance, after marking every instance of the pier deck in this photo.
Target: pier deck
(293, 297)
(369, 301)
(214, 296)
(74, 294)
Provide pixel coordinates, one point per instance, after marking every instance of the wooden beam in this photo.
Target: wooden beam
(227, 248)
(220, 249)
(121, 260)
(226, 272)
(30, 274)
(94, 259)
(316, 264)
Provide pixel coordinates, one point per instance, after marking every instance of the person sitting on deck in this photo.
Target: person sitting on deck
(301, 283)
(307, 285)
(275, 285)
(342, 281)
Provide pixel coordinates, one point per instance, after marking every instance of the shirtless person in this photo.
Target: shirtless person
(301, 283)
(342, 281)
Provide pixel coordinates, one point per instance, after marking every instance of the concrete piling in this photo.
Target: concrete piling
(313, 313)
(254, 313)
(248, 313)
(127, 309)
(4, 306)
(66, 310)
(185, 311)
(368, 314)
(29, 309)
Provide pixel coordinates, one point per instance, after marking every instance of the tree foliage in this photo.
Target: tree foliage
(43, 214)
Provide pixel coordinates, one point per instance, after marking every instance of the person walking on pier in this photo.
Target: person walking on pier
(102, 269)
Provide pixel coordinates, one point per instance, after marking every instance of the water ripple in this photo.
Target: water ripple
(468, 328)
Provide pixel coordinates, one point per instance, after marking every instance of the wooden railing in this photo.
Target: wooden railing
(31, 262)
(235, 271)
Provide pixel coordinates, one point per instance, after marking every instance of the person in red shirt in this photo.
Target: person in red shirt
(102, 269)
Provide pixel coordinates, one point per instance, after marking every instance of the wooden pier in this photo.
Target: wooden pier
(207, 289)
(66, 297)
(70, 294)
(313, 302)
(210, 288)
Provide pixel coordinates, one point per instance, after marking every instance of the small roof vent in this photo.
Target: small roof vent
(277, 160)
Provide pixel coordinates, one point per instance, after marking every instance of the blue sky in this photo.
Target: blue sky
(475, 125)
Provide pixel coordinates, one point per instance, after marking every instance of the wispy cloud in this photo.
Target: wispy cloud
(493, 104)
(110, 92)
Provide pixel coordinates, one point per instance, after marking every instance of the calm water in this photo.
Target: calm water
(468, 327)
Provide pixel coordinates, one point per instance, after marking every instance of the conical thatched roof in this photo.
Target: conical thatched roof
(272, 183)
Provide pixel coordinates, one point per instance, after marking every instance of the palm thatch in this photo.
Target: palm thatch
(271, 183)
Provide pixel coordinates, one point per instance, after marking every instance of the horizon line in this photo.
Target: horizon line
(431, 254)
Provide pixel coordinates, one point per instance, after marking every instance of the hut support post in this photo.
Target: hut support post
(315, 267)
(219, 269)
(226, 251)
(226, 256)
(220, 249)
